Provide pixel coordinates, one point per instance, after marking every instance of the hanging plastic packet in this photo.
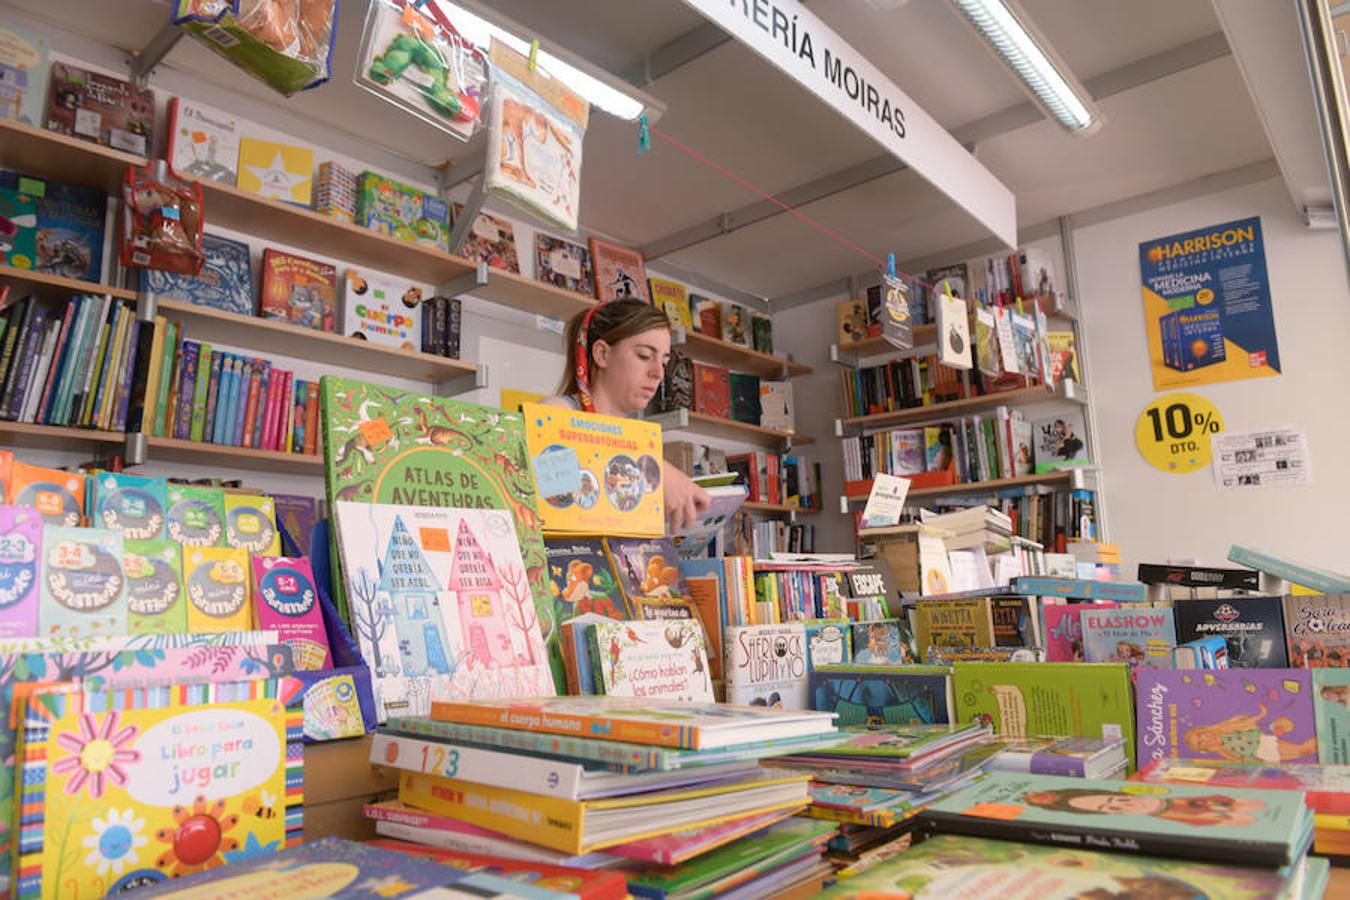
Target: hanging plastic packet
(286, 44)
(413, 57)
(986, 343)
(162, 219)
(536, 126)
(895, 321)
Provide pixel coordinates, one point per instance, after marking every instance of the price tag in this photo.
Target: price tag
(1173, 432)
(375, 431)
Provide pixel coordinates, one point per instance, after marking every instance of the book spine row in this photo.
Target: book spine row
(792, 596)
(917, 382)
(761, 539)
(441, 318)
(776, 478)
(969, 449)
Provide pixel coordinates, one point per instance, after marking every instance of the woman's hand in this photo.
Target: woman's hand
(685, 501)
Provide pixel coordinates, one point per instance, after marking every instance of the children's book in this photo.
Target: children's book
(1060, 442)
(441, 605)
(491, 240)
(1139, 636)
(57, 496)
(953, 332)
(1078, 757)
(745, 399)
(156, 598)
(532, 879)
(1239, 715)
(381, 310)
(296, 516)
(828, 643)
(1064, 628)
(131, 504)
(276, 171)
(563, 264)
(1331, 703)
(950, 865)
(1317, 628)
(673, 298)
(251, 524)
(191, 777)
(102, 109)
(83, 590)
(735, 324)
(287, 601)
(886, 642)
(712, 391)
(866, 806)
(20, 556)
(196, 516)
(646, 568)
(660, 659)
(707, 315)
(298, 290)
(766, 665)
(581, 579)
(225, 281)
(203, 142)
(1268, 828)
(19, 250)
(868, 695)
(1252, 627)
(1325, 787)
(23, 74)
(217, 583)
(620, 272)
(1056, 699)
(596, 474)
(71, 223)
(388, 207)
(960, 622)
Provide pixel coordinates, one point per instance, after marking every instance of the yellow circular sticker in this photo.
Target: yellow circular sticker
(1173, 432)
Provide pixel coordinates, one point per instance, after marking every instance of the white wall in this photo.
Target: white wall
(1155, 516)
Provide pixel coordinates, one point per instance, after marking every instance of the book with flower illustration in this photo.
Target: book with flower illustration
(658, 659)
(582, 580)
(1269, 828)
(136, 786)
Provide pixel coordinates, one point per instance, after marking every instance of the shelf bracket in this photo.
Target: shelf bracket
(473, 205)
(461, 384)
(142, 62)
(135, 448)
(465, 283)
(147, 306)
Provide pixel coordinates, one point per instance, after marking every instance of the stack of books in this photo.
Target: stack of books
(978, 526)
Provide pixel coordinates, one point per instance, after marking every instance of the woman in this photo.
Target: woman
(616, 357)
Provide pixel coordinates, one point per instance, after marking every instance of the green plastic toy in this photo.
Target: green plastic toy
(409, 50)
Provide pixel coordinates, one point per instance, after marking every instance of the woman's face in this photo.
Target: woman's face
(630, 371)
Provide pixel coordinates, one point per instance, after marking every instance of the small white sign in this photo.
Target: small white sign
(1271, 457)
(886, 502)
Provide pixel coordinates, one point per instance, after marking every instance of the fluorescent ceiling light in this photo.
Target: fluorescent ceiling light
(1010, 34)
(480, 31)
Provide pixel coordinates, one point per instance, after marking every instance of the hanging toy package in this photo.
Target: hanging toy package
(162, 219)
(412, 56)
(286, 44)
(536, 126)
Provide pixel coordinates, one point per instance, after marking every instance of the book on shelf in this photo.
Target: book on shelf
(862, 695)
(1060, 442)
(82, 589)
(761, 333)
(1064, 628)
(766, 665)
(491, 240)
(101, 109)
(23, 96)
(156, 598)
(225, 281)
(216, 580)
(1310, 577)
(661, 659)
(1253, 628)
(776, 407)
(73, 238)
(1317, 628)
(745, 406)
(1142, 637)
(884, 642)
(673, 299)
(707, 315)
(564, 264)
(276, 171)
(203, 143)
(58, 496)
(620, 272)
(581, 578)
(21, 531)
(736, 324)
(712, 390)
(297, 290)
(286, 600)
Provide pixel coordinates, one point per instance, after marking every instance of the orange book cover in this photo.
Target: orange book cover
(312, 419)
(250, 406)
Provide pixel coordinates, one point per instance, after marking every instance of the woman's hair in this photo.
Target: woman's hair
(612, 322)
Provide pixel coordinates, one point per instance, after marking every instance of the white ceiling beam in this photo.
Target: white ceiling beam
(674, 54)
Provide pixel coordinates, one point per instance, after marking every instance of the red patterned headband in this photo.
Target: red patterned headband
(584, 360)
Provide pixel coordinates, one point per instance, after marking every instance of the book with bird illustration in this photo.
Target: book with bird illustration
(657, 659)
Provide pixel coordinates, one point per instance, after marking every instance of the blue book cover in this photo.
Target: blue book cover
(212, 393)
(237, 387)
(1139, 636)
(246, 371)
(868, 695)
(885, 642)
(225, 281)
(225, 405)
(70, 225)
(27, 359)
(131, 504)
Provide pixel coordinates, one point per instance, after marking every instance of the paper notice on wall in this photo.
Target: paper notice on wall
(1271, 457)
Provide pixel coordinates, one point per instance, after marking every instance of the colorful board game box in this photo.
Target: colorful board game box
(83, 588)
(399, 211)
(225, 281)
(382, 310)
(102, 109)
(298, 290)
(131, 504)
(287, 602)
(217, 583)
(196, 516)
(20, 557)
(156, 603)
(251, 524)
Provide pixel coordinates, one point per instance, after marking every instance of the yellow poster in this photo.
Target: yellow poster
(276, 171)
(596, 474)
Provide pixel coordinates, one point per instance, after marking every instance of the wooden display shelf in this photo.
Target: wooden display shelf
(1068, 391)
(1049, 479)
(55, 437)
(46, 154)
(200, 453)
(706, 348)
(727, 429)
(510, 289)
(28, 281)
(756, 506)
(849, 354)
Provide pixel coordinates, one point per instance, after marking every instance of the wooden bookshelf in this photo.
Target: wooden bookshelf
(56, 437)
(776, 508)
(706, 348)
(727, 429)
(1066, 391)
(1060, 479)
(26, 281)
(542, 298)
(46, 154)
(200, 453)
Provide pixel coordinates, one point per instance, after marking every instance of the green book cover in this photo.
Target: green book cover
(386, 445)
(96, 369)
(1195, 821)
(704, 876)
(156, 603)
(949, 865)
(162, 386)
(1331, 704)
(1046, 699)
(69, 363)
(897, 742)
(199, 391)
(196, 516)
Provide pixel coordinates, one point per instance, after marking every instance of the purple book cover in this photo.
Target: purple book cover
(212, 392)
(128, 374)
(20, 549)
(298, 515)
(187, 385)
(1239, 715)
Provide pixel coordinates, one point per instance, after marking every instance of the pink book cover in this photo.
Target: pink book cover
(673, 849)
(286, 601)
(289, 407)
(269, 410)
(195, 665)
(20, 552)
(1064, 629)
(278, 387)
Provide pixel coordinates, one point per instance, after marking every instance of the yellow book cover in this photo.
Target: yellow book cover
(217, 589)
(276, 171)
(124, 788)
(251, 524)
(672, 297)
(153, 373)
(596, 474)
(513, 399)
(960, 622)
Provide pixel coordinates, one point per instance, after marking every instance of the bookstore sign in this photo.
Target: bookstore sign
(807, 50)
(1174, 432)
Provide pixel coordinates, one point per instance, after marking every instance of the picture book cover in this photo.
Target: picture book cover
(659, 659)
(1239, 715)
(217, 583)
(388, 207)
(1253, 628)
(251, 523)
(287, 602)
(1064, 699)
(203, 142)
(646, 567)
(595, 474)
(20, 555)
(1317, 628)
(196, 516)
(441, 604)
(83, 590)
(707, 315)
(100, 108)
(276, 171)
(673, 298)
(620, 272)
(19, 249)
(828, 643)
(386, 445)
(1260, 827)
(766, 665)
(1064, 628)
(959, 622)
(956, 866)
(1331, 704)
(132, 504)
(886, 642)
(853, 804)
(563, 264)
(1141, 637)
(71, 222)
(733, 865)
(23, 74)
(381, 310)
(296, 516)
(1060, 442)
(745, 398)
(581, 579)
(735, 324)
(225, 281)
(187, 779)
(761, 328)
(156, 598)
(565, 881)
(876, 695)
(1326, 788)
(491, 240)
(298, 290)
(953, 331)
(57, 496)
(712, 391)
(1063, 356)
